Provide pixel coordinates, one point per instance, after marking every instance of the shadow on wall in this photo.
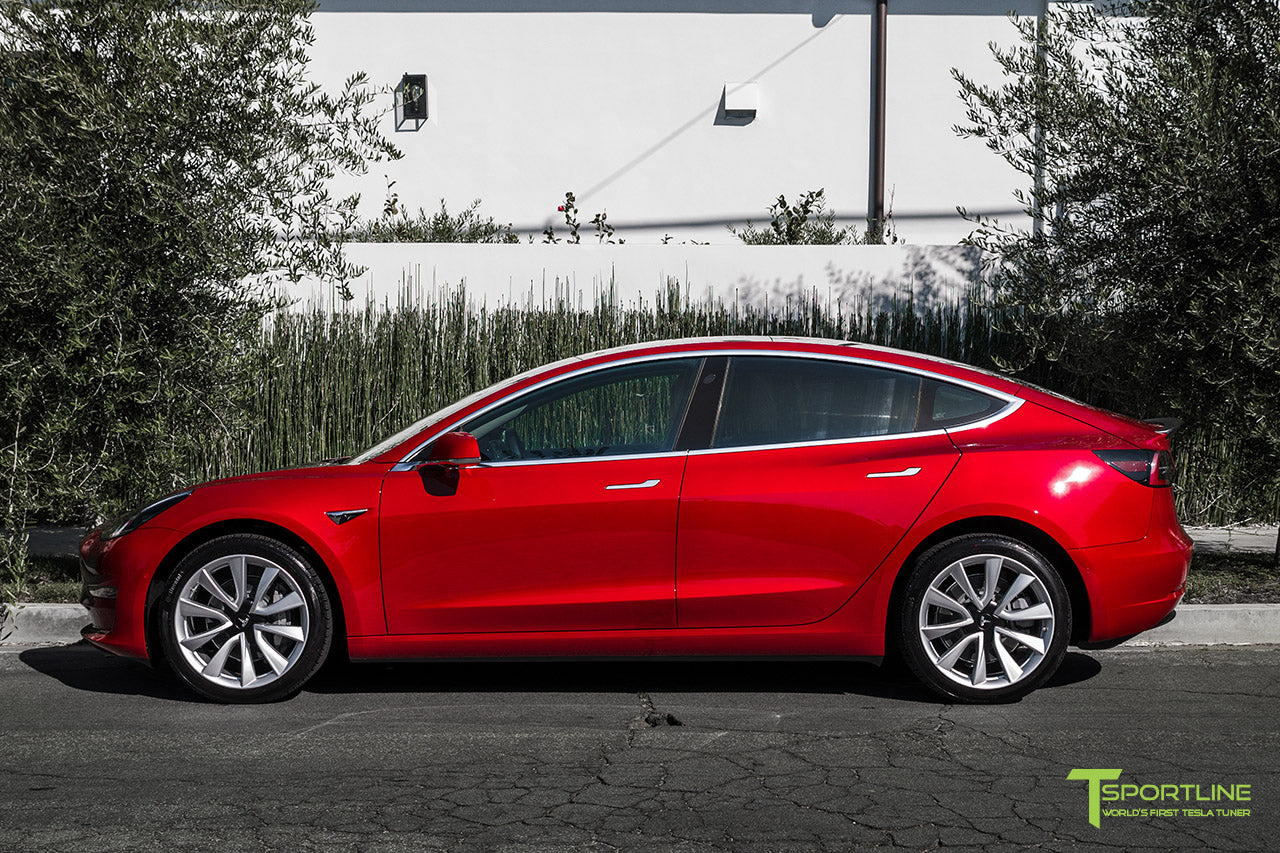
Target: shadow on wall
(721, 118)
(933, 277)
(820, 12)
(724, 119)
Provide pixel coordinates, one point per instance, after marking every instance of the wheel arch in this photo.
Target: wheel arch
(1028, 534)
(159, 580)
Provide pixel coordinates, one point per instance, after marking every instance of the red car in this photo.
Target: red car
(707, 497)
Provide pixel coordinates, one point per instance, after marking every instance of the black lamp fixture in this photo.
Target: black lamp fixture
(411, 101)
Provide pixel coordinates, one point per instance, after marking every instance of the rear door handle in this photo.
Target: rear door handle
(647, 484)
(905, 472)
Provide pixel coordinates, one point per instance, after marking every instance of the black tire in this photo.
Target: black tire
(1017, 655)
(271, 603)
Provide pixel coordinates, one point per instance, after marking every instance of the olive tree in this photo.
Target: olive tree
(1148, 278)
(163, 166)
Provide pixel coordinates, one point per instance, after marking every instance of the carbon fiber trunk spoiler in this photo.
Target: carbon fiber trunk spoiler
(1164, 426)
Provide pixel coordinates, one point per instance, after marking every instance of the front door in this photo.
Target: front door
(568, 524)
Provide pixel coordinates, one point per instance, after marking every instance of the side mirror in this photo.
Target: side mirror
(454, 448)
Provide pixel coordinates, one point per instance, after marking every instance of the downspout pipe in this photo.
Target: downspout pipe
(875, 204)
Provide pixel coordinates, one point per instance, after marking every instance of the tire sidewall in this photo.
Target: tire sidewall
(319, 638)
(936, 559)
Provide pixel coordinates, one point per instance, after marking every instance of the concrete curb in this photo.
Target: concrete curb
(1192, 625)
(27, 624)
(1215, 624)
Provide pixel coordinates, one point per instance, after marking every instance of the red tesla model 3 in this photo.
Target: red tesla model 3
(701, 497)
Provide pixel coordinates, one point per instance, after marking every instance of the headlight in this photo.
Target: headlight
(132, 521)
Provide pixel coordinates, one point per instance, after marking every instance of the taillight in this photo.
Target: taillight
(1148, 467)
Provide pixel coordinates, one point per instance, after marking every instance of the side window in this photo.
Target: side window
(771, 400)
(944, 405)
(612, 412)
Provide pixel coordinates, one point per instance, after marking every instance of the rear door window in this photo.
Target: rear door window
(772, 400)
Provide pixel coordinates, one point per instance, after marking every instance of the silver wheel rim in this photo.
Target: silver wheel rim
(986, 621)
(241, 621)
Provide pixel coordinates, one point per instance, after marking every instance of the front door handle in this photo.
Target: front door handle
(905, 472)
(647, 484)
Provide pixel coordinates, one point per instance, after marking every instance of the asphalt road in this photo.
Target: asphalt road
(101, 754)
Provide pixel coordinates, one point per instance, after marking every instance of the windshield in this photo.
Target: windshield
(445, 413)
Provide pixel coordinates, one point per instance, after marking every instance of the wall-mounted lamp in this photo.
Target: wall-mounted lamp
(741, 100)
(411, 101)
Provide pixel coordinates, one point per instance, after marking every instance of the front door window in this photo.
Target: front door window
(621, 411)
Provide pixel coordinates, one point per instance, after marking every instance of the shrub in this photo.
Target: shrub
(1150, 280)
(162, 165)
(809, 222)
(396, 225)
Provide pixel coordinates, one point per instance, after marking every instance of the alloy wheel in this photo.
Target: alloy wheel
(986, 621)
(241, 621)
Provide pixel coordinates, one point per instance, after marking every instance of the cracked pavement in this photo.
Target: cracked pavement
(103, 754)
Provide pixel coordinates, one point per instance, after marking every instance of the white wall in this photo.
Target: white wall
(618, 101)
(929, 169)
(633, 274)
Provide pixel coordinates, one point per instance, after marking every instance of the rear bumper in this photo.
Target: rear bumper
(1134, 585)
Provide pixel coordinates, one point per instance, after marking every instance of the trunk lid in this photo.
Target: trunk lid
(1143, 434)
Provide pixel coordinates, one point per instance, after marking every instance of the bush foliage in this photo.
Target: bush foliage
(809, 222)
(397, 225)
(162, 164)
(1150, 281)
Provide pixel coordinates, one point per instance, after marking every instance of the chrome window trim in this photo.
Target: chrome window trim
(861, 439)
(1012, 404)
(516, 463)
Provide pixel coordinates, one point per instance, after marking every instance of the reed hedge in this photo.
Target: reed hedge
(331, 381)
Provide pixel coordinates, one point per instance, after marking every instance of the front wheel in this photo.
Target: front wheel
(245, 618)
(984, 619)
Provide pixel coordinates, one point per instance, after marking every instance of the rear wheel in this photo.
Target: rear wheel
(246, 619)
(984, 619)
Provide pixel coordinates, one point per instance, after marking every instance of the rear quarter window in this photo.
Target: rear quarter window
(946, 405)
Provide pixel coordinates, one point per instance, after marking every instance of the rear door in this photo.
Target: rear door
(816, 469)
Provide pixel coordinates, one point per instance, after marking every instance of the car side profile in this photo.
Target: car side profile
(704, 497)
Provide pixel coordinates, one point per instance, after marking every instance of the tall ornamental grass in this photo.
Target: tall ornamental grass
(331, 382)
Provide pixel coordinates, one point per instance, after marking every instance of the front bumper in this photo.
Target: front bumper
(1134, 585)
(115, 577)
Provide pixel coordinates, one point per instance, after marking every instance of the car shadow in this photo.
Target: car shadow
(83, 667)
(671, 675)
(80, 666)
(823, 676)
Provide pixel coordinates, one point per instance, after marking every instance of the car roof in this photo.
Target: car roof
(754, 344)
(801, 345)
